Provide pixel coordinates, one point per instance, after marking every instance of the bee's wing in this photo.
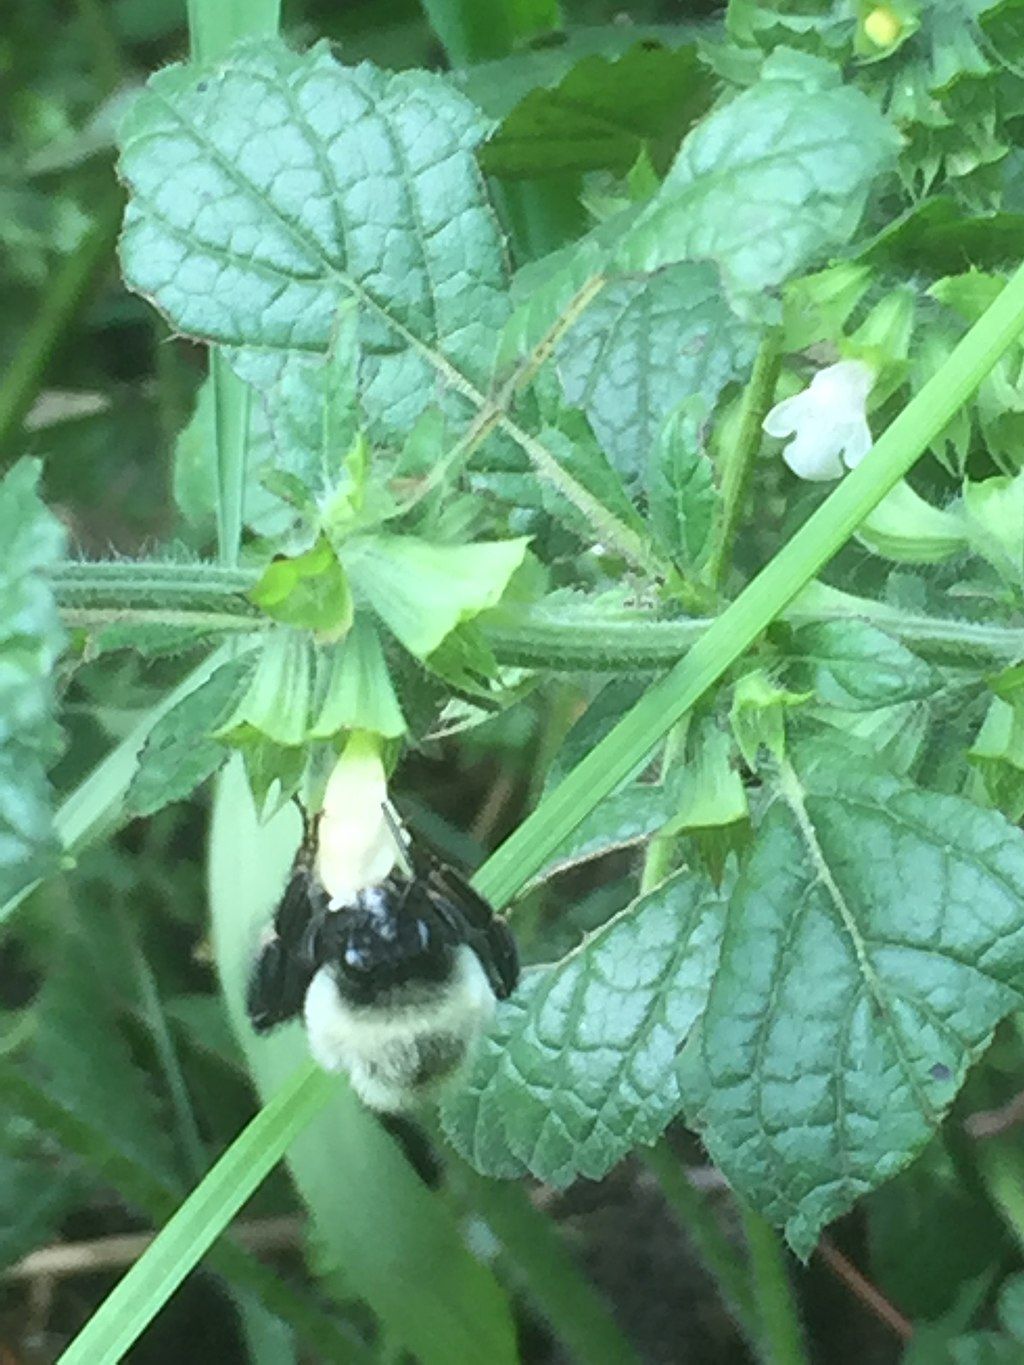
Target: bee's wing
(473, 920)
(285, 966)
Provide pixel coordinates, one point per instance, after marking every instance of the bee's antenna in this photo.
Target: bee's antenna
(400, 836)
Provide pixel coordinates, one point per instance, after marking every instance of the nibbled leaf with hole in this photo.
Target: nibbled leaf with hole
(181, 751)
(580, 1065)
(268, 189)
(31, 639)
(875, 938)
(643, 346)
(769, 183)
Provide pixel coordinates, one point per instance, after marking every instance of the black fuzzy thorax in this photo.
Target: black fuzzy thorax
(395, 944)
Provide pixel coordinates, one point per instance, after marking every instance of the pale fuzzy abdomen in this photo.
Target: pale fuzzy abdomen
(399, 1054)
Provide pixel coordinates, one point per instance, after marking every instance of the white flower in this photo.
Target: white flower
(356, 847)
(827, 421)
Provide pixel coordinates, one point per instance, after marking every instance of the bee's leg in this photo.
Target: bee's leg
(275, 993)
(283, 970)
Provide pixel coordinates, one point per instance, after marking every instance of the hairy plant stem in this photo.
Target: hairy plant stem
(738, 464)
(567, 638)
(781, 1335)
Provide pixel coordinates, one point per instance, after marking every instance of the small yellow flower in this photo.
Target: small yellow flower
(882, 26)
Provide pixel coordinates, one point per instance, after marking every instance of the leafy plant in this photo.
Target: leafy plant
(483, 453)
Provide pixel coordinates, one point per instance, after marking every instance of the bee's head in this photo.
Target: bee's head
(383, 953)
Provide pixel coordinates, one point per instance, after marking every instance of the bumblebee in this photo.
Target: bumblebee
(395, 980)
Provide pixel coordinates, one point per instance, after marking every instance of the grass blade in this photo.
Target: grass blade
(199, 1221)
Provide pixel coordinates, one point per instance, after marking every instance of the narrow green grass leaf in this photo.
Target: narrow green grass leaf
(199, 1221)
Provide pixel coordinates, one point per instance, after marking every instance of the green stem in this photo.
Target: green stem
(782, 1338)
(119, 582)
(738, 464)
(718, 1255)
(567, 639)
(552, 1280)
(764, 598)
(167, 1053)
(53, 322)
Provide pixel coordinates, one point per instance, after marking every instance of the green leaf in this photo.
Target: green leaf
(711, 803)
(998, 754)
(906, 528)
(815, 307)
(355, 686)
(36, 1193)
(278, 700)
(31, 639)
(875, 938)
(422, 591)
(682, 500)
(940, 237)
(574, 449)
(300, 429)
(995, 521)
(603, 114)
(770, 183)
(249, 221)
(181, 751)
(308, 590)
(622, 820)
(758, 716)
(856, 667)
(581, 1063)
(643, 346)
